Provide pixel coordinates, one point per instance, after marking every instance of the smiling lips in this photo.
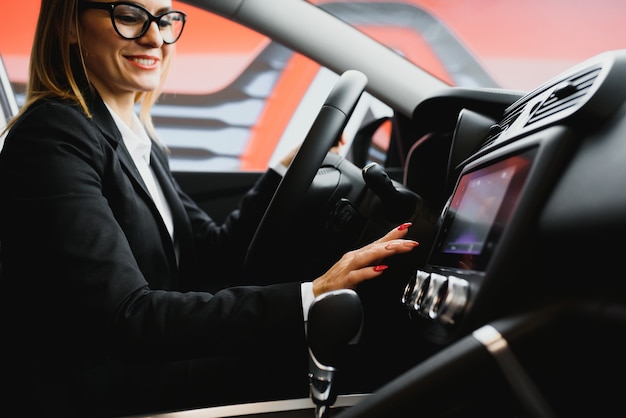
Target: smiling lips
(144, 62)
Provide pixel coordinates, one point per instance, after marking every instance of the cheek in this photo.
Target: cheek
(98, 49)
(168, 51)
(98, 37)
(168, 56)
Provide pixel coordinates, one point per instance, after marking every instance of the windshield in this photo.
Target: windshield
(491, 43)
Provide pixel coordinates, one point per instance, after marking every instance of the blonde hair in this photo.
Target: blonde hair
(57, 66)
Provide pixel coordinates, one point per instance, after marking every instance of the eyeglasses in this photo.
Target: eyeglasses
(131, 21)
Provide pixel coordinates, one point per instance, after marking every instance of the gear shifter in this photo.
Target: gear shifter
(399, 203)
(335, 321)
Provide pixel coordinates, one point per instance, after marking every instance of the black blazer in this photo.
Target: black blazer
(89, 269)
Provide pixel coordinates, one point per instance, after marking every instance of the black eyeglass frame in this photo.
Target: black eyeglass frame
(110, 7)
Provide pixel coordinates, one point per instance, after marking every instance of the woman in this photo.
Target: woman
(103, 254)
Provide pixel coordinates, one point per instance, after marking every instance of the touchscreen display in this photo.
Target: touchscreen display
(481, 207)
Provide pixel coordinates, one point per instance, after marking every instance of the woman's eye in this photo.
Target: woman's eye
(130, 19)
(165, 23)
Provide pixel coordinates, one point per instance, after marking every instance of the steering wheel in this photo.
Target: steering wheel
(324, 133)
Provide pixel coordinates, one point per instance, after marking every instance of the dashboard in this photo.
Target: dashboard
(522, 284)
(513, 188)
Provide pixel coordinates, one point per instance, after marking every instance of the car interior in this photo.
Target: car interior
(514, 303)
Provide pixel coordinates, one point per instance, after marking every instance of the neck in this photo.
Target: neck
(124, 109)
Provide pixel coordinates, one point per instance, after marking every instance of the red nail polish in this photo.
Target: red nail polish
(380, 267)
(404, 226)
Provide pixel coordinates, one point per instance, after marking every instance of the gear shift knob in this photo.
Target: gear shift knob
(399, 203)
(335, 321)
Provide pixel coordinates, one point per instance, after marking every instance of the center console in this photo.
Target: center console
(485, 230)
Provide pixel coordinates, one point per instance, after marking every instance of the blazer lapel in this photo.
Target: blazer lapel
(106, 124)
(102, 118)
(183, 236)
(182, 228)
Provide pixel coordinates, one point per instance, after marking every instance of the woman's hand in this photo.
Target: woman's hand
(364, 263)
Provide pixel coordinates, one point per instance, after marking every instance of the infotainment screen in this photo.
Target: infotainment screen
(480, 209)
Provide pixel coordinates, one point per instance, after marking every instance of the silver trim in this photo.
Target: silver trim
(432, 298)
(454, 300)
(251, 409)
(521, 384)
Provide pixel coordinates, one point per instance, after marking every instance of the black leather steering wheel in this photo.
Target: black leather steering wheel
(324, 133)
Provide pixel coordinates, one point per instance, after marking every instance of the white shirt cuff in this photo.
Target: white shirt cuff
(306, 289)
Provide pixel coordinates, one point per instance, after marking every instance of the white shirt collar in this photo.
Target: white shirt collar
(135, 137)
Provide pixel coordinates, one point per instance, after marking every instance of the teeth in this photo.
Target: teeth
(144, 61)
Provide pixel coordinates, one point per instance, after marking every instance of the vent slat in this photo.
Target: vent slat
(566, 94)
(562, 99)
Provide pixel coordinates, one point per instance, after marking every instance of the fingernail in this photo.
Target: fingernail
(380, 267)
(411, 243)
(404, 226)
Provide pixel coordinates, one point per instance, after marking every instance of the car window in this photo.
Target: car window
(490, 43)
(240, 101)
(237, 103)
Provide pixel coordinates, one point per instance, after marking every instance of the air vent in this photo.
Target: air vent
(508, 119)
(511, 116)
(566, 94)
